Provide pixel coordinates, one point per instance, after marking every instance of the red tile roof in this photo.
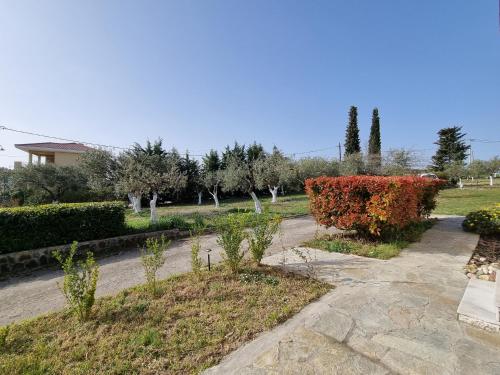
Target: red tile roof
(56, 146)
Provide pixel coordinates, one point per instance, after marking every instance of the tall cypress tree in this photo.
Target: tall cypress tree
(374, 144)
(352, 144)
(451, 148)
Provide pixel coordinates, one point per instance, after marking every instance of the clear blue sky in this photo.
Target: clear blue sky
(201, 74)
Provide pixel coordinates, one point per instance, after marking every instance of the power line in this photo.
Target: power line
(59, 138)
(70, 140)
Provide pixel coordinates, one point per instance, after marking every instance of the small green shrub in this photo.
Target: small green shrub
(230, 230)
(153, 258)
(262, 229)
(31, 227)
(196, 232)
(483, 221)
(80, 281)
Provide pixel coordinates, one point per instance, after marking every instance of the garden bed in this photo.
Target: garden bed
(190, 326)
(485, 259)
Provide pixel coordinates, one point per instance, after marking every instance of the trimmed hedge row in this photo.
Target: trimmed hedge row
(370, 204)
(31, 227)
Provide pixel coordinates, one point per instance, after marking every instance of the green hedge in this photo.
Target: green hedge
(31, 227)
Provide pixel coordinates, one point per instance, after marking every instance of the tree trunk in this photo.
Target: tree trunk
(214, 195)
(274, 193)
(135, 201)
(154, 213)
(199, 198)
(491, 180)
(460, 183)
(258, 207)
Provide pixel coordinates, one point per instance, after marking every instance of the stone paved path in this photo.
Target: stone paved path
(26, 297)
(395, 316)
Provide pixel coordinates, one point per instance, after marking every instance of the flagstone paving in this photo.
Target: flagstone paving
(383, 317)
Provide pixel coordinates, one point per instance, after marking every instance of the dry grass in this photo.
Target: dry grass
(191, 326)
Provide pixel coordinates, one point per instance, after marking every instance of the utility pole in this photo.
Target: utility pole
(340, 152)
(470, 151)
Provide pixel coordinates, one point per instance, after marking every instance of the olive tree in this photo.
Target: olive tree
(49, 182)
(211, 174)
(399, 162)
(273, 171)
(150, 174)
(312, 167)
(352, 165)
(101, 169)
(239, 175)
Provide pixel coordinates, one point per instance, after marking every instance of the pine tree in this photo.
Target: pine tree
(352, 144)
(451, 148)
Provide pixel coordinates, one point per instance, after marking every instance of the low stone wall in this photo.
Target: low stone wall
(29, 260)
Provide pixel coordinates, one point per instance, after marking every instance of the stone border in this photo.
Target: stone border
(26, 261)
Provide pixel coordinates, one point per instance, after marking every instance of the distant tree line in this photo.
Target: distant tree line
(152, 175)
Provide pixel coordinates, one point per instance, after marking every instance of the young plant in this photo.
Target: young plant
(4, 332)
(153, 258)
(230, 237)
(261, 235)
(196, 232)
(80, 281)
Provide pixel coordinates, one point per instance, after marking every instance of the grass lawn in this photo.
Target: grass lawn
(450, 201)
(191, 326)
(289, 205)
(462, 201)
(350, 243)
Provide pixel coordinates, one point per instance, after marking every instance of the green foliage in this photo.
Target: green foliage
(352, 144)
(260, 237)
(483, 221)
(312, 167)
(352, 165)
(451, 148)
(101, 168)
(80, 281)
(153, 258)
(50, 183)
(230, 230)
(399, 162)
(374, 144)
(274, 170)
(4, 332)
(31, 227)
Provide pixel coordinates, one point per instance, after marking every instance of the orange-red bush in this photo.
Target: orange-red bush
(371, 204)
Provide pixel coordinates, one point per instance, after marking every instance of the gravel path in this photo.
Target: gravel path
(29, 296)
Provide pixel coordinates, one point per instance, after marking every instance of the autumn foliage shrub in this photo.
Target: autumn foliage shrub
(371, 204)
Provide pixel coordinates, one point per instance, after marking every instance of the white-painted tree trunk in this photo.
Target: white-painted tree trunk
(154, 212)
(460, 183)
(491, 180)
(214, 195)
(135, 201)
(274, 193)
(258, 207)
(199, 198)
